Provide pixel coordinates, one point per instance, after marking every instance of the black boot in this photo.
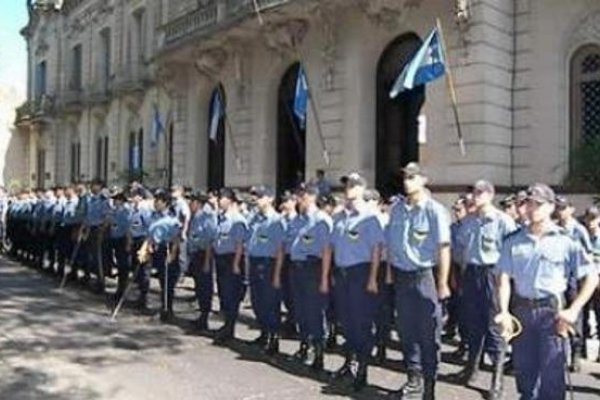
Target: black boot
(167, 316)
(202, 322)
(575, 362)
(273, 345)
(360, 380)
(262, 340)
(429, 389)
(331, 338)
(302, 353)
(413, 388)
(224, 334)
(381, 354)
(317, 363)
(468, 376)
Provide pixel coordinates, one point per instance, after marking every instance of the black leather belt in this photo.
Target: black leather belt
(546, 302)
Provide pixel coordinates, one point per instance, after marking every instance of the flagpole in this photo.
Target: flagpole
(313, 108)
(257, 11)
(451, 89)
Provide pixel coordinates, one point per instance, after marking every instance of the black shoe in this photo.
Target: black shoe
(318, 364)
(459, 353)
(167, 316)
(331, 342)
(413, 388)
(344, 372)
(98, 289)
(360, 380)
(575, 363)
(273, 345)
(302, 353)
(468, 376)
(224, 335)
(261, 341)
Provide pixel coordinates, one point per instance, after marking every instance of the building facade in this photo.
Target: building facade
(122, 86)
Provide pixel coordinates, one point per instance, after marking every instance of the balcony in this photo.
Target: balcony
(72, 99)
(134, 77)
(100, 92)
(37, 110)
(212, 17)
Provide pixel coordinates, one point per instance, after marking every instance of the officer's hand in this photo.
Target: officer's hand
(324, 287)
(443, 291)
(505, 321)
(372, 286)
(276, 282)
(236, 270)
(565, 320)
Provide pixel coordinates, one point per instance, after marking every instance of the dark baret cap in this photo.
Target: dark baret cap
(541, 193)
(372, 195)
(118, 195)
(592, 212)
(229, 193)
(484, 186)
(562, 202)
(263, 191)
(198, 195)
(413, 169)
(307, 188)
(353, 179)
(508, 201)
(162, 194)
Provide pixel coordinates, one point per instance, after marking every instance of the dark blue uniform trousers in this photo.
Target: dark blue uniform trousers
(286, 289)
(308, 300)
(203, 280)
(229, 286)
(117, 247)
(167, 275)
(479, 307)
(539, 355)
(419, 320)
(384, 316)
(355, 308)
(577, 339)
(266, 299)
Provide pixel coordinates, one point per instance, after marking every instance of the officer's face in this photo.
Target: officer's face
(354, 192)
(482, 198)
(413, 183)
(264, 202)
(592, 224)
(564, 212)
(194, 205)
(459, 212)
(224, 203)
(538, 212)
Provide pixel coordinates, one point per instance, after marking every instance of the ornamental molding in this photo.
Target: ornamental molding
(284, 38)
(210, 62)
(172, 77)
(387, 13)
(586, 30)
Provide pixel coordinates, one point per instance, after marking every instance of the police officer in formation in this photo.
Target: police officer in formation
(349, 266)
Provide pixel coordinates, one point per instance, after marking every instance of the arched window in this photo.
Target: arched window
(75, 159)
(102, 157)
(585, 96)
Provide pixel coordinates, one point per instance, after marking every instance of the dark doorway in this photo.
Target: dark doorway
(216, 144)
(41, 169)
(397, 119)
(291, 137)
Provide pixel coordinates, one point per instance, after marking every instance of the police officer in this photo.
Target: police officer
(164, 233)
(355, 244)
(141, 214)
(591, 219)
(289, 214)
(66, 231)
(565, 218)
(309, 277)
(418, 243)
(182, 211)
(480, 238)
(538, 260)
(119, 240)
(266, 253)
(228, 249)
(94, 225)
(201, 234)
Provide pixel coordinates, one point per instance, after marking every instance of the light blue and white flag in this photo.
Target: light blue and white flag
(157, 126)
(301, 98)
(427, 65)
(216, 113)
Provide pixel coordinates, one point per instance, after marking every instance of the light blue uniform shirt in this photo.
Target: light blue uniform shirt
(140, 221)
(595, 241)
(202, 231)
(354, 236)
(69, 211)
(540, 267)
(97, 210)
(481, 237)
(291, 225)
(313, 234)
(457, 250)
(164, 228)
(231, 230)
(120, 221)
(415, 233)
(578, 233)
(266, 234)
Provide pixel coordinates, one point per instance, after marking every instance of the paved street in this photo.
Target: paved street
(58, 346)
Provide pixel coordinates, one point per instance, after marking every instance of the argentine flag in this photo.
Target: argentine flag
(301, 98)
(216, 113)
(427, 65)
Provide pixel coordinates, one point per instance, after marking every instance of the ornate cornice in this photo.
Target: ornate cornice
(172, 77)
(586, 30)
(387, 13)
(285, 37)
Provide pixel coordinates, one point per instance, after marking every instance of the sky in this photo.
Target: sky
(13, 49)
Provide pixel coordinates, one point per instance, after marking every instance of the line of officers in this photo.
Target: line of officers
(355, 268)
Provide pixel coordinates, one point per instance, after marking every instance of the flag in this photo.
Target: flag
(157, 126)
(427, 65)
(216, 113)
(301, 98)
